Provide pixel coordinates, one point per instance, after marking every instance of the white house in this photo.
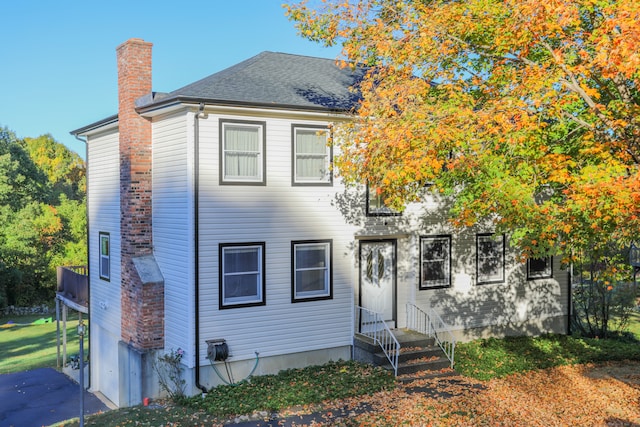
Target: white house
(214, 215)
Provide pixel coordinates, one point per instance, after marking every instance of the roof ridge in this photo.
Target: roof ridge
(299, 55)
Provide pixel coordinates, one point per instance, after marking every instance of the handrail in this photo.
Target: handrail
(431, 324)
(370, 324)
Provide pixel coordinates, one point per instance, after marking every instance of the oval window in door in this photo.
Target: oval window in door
(370, 267)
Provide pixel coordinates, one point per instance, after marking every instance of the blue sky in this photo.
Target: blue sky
(58, 61)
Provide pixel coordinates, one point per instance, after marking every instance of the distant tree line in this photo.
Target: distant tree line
(43, 216)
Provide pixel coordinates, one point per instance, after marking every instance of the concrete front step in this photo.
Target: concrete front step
(432, 366)
(429, 352)
(427, 375)
(408, 338)
(413, 366)
(419, 356)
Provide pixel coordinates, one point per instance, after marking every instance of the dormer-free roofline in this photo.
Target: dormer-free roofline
(268, 80)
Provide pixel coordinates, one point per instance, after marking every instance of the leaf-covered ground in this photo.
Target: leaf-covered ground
(578, 395)
(590, 395)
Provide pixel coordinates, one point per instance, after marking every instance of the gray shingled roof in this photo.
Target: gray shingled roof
(269, 79)
(272, 79)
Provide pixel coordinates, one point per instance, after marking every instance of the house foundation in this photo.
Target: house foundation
(268, 365)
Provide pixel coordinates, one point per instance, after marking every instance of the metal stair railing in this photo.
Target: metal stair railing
(370, 324)
(431, 324)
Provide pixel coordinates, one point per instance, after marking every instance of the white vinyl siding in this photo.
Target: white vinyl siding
(173, 243)
(311, 156)
(103, 188)
(276, 214)
(103, 191)
(472, 311)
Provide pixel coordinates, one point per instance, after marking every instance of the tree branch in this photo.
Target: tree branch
(485, 51)
(574, 86)
(578, 120)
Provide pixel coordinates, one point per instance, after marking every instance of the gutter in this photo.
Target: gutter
(182, 99)
(196, 241)
(96, 125)
(173, 102)
(86, 177)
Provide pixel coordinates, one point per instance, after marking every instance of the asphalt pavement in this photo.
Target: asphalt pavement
(42, 397)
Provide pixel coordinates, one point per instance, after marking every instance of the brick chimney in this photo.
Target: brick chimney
(142, 300)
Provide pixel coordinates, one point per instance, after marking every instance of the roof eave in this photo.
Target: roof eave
(180, 100)
(173, 103)
(113, 119)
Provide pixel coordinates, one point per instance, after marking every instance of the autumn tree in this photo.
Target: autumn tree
(64, 168)
(43, 217)
(523, 112)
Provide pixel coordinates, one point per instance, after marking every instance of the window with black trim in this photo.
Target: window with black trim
(242, 278)
(376, 205)
(540, 268)
(311, 155)
(311, 270)
(105, 256)
(435, 262)
(490, 251)
(242, 152)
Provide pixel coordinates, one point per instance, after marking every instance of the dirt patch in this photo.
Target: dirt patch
(627, 372)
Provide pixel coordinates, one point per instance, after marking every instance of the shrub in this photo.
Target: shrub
(169, 370)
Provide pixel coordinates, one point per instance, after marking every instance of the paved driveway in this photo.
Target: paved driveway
(42, 397)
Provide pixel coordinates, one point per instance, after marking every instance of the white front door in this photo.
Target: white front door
(378, 277)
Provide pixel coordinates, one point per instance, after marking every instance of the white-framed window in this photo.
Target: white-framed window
(435, 262)
(242, 152)
(105, 256)
(490, 258)
(540, 268)
(311, 155)
(311, 270)
(376, 205)
(242, 278)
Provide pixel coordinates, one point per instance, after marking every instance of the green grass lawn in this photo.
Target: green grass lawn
(25, 345)
(495, 358)
(634, 326)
